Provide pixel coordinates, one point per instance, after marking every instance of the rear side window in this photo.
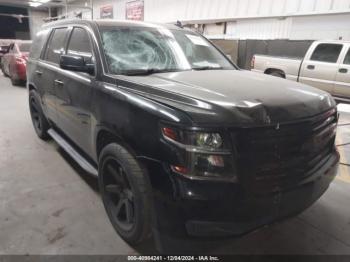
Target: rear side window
(56, 45)
(327, 53)
(79, 44)
(347, 58)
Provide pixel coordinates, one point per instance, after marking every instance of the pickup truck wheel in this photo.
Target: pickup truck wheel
(125, 193)
(40, 123)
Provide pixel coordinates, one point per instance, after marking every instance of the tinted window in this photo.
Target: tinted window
(347, 58)
(79, 44)
(56, 45)
(327, 53)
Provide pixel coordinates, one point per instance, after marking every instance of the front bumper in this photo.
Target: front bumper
(186, 208)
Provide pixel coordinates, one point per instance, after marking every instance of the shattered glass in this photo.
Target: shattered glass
(158, 49)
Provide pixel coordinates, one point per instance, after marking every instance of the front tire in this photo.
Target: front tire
(126, 193)
(40, 123)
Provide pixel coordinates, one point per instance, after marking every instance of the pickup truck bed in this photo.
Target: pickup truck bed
(326, 66)
(287, 67)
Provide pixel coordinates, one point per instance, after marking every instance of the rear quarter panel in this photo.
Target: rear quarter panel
(290, 66)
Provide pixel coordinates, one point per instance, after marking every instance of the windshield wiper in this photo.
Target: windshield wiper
(148, 71)
(207, 68)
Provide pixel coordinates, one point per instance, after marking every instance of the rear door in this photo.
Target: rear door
(320, 67)
(74, 92)
(342, 81)
(47, 70)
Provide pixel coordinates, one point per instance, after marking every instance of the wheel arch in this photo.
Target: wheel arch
(271, 70)
(31, 86)
(105, 136)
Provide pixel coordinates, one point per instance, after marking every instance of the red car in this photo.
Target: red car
(14, 62)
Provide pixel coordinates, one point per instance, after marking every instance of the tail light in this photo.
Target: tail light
(21, 59)
(252, 62)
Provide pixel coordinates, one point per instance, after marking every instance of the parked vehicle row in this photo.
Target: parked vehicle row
(326, 66)
(14, 62)
(182, 141)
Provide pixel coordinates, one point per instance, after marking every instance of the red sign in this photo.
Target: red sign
(134, 10)
(106, 11)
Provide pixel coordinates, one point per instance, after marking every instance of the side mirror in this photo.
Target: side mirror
(76, 63)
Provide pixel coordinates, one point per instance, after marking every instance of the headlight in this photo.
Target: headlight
(193, 140)
(201, 154)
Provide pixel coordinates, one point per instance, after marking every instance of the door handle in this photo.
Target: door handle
(38, 72)
(343, 70)
(311, 67)
(59, 82)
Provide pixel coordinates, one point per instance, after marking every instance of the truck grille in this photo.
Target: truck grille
(278, 157)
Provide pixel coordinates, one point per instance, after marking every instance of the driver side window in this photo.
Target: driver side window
(80, 45)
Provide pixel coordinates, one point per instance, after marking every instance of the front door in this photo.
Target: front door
(342, 81)
(320, 69)
(74, 91)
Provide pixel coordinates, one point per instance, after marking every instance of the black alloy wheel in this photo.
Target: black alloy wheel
(35, 115)
(119, 195)
(41, 125)
(126, 193)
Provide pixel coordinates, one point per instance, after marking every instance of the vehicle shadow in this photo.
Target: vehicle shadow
(88, 178)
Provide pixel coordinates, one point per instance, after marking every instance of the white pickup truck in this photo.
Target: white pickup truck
(326, 66)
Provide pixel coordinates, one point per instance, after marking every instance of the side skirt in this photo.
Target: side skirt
(73, 153)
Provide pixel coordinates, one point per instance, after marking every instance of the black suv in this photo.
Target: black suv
(182, 141)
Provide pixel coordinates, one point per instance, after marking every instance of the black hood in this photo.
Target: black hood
(235, 96)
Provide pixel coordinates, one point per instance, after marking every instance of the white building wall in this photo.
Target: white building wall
(246, 19)
(315, 27)
(219, 10)
(260, 28)
(321, 27)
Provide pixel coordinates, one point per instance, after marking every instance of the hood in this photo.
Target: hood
(236, 96)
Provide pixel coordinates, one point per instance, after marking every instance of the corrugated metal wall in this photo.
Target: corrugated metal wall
(247, 19)
(204, 10)
(268, 28)
(316, 27)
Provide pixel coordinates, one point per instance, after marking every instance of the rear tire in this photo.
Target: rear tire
(40, 123)
(15, 82)
(126, 193)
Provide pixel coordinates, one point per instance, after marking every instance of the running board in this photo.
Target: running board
(73, 153)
